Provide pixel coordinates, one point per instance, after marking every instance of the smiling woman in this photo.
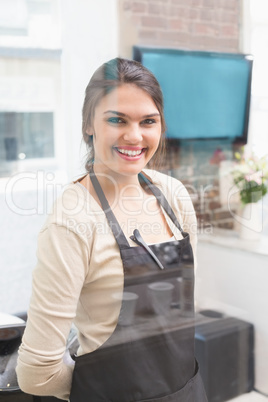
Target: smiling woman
(118, 252)
(126, 131)
(113, 75)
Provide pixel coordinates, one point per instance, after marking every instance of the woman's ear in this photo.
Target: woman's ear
(89, 131)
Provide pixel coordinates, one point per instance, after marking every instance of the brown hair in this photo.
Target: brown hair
(111, 75)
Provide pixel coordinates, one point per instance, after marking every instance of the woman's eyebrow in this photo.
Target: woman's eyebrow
(115, 112)
(125, 115)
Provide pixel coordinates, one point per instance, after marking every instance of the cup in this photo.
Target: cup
(127, 312)
(179, 291)
(161, 296)
(177, 294)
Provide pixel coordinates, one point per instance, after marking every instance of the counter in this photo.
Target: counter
(232, 277)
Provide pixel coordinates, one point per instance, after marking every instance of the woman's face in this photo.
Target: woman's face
(126, 131)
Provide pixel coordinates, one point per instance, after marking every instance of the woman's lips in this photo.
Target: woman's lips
(130, 153)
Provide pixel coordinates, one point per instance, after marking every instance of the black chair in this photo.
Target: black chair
(10, 339)
(224, 348)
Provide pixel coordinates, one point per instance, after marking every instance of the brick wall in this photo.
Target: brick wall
(186, 24)
(194, 164)
(212, 25)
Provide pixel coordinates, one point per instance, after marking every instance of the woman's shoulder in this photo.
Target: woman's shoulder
(173, 189)
(163, 180)
(73, 205)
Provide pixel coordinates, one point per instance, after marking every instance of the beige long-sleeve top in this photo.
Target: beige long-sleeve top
(78, 268)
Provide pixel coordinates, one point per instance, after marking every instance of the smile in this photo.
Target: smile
(129, 153)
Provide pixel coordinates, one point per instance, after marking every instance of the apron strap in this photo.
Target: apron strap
(113, 222)
(163, 202)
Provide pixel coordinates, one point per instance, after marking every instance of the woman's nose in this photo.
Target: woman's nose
(133, 134)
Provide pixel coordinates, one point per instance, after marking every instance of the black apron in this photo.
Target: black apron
(150, 355)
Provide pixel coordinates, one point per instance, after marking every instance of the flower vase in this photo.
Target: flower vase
(251, 223)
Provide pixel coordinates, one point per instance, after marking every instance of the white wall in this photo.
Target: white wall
(254, 40)
(89, 38)
(234, 282)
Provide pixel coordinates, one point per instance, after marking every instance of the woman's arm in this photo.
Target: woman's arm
(58, 278)
(186, 213)
(189, 222)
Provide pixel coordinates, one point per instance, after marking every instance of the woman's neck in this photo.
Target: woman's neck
(114, 183)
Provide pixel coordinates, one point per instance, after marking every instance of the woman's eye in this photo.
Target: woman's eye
(148, 121)
(115, 120)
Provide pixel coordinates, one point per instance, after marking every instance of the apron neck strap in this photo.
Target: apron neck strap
(113, 222)
(163, 202)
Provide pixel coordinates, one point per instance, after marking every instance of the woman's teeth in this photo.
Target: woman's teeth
(128, 152)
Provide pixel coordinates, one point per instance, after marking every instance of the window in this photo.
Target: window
(256, 25)
(25, 136)
(29, 83)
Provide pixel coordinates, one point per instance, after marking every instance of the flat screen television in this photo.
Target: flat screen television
(206, 94)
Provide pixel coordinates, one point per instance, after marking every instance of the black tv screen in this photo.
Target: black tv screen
(206, 94)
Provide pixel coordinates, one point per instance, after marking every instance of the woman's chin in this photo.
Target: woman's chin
(121, 167)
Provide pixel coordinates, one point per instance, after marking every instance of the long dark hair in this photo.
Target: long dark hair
(111, 75)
